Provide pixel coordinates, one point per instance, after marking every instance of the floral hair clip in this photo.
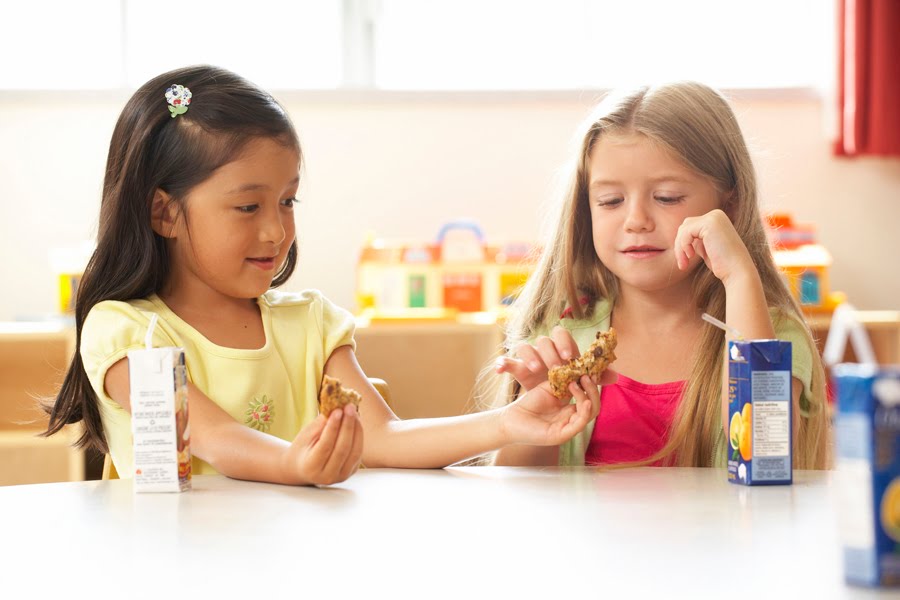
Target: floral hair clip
(179, 98)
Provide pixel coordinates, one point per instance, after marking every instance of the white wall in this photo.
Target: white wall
(402, 165)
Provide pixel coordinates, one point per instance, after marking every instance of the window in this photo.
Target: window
(112, 44)
(540, 44)
(275, 44)
(59, 44)
(471, 44)
(421, 45)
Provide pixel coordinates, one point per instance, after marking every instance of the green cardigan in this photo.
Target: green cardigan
(584, 331)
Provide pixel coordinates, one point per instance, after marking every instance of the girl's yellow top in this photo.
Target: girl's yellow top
(273, 389)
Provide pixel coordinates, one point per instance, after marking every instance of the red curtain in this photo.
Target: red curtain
(869, 78)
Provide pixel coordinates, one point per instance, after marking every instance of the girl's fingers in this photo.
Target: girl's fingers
(310, 434)
(681, 257)
(520, 371)
(564, 342)
(322, 449)
(342, 444)
(548, 352)
(352, 462)
(579, 413)
(687, 251)
(688, 232)
(699, 248)
(530, 357)
(514, 366)
(592, 393)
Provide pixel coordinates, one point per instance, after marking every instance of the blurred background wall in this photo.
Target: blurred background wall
(412, 114)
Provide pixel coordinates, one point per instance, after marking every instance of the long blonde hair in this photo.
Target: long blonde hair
(696, 124)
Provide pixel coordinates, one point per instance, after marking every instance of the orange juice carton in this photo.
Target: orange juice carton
(868, 472)
(759, 401)
(159, 420)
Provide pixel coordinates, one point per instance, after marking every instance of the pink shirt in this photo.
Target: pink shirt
(633, 422)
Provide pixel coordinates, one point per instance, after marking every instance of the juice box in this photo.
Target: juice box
(159, 420)
(868, 472)
(759, 411)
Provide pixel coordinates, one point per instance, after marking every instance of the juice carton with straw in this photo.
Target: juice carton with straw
(759, 410)
(159, 418)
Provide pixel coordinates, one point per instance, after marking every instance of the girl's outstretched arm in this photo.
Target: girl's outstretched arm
(324, 452)
(538, 418)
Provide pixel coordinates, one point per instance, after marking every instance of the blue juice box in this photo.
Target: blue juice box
(759, 412)
(868, 472)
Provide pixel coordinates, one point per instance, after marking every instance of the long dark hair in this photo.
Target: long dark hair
(151, 150)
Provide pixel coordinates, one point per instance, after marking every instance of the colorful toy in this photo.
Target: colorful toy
(803, 262)
(458, 273)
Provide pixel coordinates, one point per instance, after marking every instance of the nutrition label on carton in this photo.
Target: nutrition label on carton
(771, 413)
(759, 409)
(155, 415)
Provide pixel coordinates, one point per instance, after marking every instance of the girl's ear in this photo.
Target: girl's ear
(164, 213)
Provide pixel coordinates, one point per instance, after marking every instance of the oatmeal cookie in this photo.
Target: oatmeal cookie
(333, 395)
(592, 362)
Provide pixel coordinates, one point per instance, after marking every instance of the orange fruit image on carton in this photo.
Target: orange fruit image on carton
(746, 443)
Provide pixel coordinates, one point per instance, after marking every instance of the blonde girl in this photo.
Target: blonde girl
(659, 224)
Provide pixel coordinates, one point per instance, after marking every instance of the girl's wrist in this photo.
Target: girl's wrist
(284, 462)
(743, 279)
(287, 471)
(501, 426)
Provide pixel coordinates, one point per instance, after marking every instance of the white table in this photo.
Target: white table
(456, 533)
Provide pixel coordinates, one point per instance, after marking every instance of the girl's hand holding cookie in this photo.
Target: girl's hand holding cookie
(557, 357)
(326, 451)
(541, 419)
(530, 364)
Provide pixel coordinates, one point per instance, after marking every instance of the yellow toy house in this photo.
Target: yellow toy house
(803, 263)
